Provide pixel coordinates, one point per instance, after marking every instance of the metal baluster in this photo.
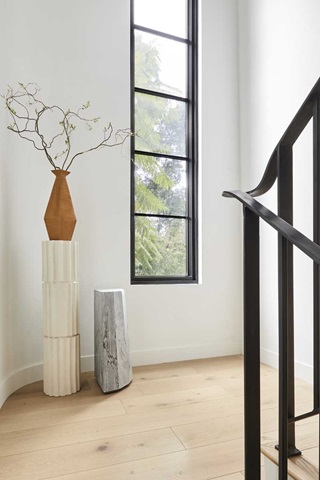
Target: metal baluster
(286, 315)
(316, 268)
(285, 211)
(283, 357)
(251, 345)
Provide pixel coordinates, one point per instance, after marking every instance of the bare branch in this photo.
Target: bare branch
(120, 141)
(25, 138)
(31, 110)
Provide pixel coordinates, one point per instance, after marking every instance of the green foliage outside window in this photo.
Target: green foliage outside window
(160, 183)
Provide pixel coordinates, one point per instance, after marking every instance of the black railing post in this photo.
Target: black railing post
(285, 211)
(316, 268)
(283, 357)
(251, 345)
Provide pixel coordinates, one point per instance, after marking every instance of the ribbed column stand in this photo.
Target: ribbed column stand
(61, 366)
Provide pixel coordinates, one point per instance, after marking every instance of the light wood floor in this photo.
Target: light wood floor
(175, 421)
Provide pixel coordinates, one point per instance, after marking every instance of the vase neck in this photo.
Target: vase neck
(60, 173)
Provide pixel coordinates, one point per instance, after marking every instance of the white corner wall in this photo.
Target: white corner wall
(279, 64)
(77, 52)
(4, 324)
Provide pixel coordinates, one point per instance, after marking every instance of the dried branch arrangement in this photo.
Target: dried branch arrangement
(28, 112)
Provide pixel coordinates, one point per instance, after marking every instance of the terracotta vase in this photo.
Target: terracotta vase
(60, 218)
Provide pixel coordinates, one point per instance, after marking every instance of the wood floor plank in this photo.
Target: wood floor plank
(210, 432)
(197, 464)
(17, 431)
(89, 455)
(197, 434)
(172, 399)
(269, 393)
(205, 365)
(153, 372)
(227, 367)
(229, 378)
(45, 404)
(60, 416)
(177, 420)
(18, 439)
(176, 384)
(90, 392)
(216, 365)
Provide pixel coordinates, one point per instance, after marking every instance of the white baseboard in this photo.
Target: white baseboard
(189, 352)
(34, 373)
(19, 379)
(301, 370)
(31, 374)
(174, 354)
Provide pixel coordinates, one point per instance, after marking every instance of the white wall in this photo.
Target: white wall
(4, 324)
(78, 51)
(279, 63)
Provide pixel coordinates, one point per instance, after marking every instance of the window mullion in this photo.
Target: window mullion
(164, 155)
(155, 93)
(159, 215)
(161, 34)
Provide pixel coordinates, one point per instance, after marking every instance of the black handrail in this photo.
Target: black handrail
(279, 167)
(295, 237)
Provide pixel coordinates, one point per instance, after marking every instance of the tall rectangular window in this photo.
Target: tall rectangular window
(164, 246)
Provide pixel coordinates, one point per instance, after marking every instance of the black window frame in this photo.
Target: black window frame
(192, 149)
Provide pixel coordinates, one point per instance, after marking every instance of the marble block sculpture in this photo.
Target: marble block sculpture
(111, 346)
(61, 365)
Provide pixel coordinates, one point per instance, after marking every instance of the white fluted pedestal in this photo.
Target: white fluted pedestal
(61, 366)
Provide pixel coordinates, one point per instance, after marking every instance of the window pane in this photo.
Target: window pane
(160, 247)
(160, 185)
(160, 125)
(160, 64)
(169, 16)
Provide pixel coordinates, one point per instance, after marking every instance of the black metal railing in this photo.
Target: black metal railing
(279, 167)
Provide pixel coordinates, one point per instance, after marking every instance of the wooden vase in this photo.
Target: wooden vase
(60, 218)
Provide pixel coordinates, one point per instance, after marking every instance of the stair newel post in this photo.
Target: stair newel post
(251, 345)
(316, 267)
